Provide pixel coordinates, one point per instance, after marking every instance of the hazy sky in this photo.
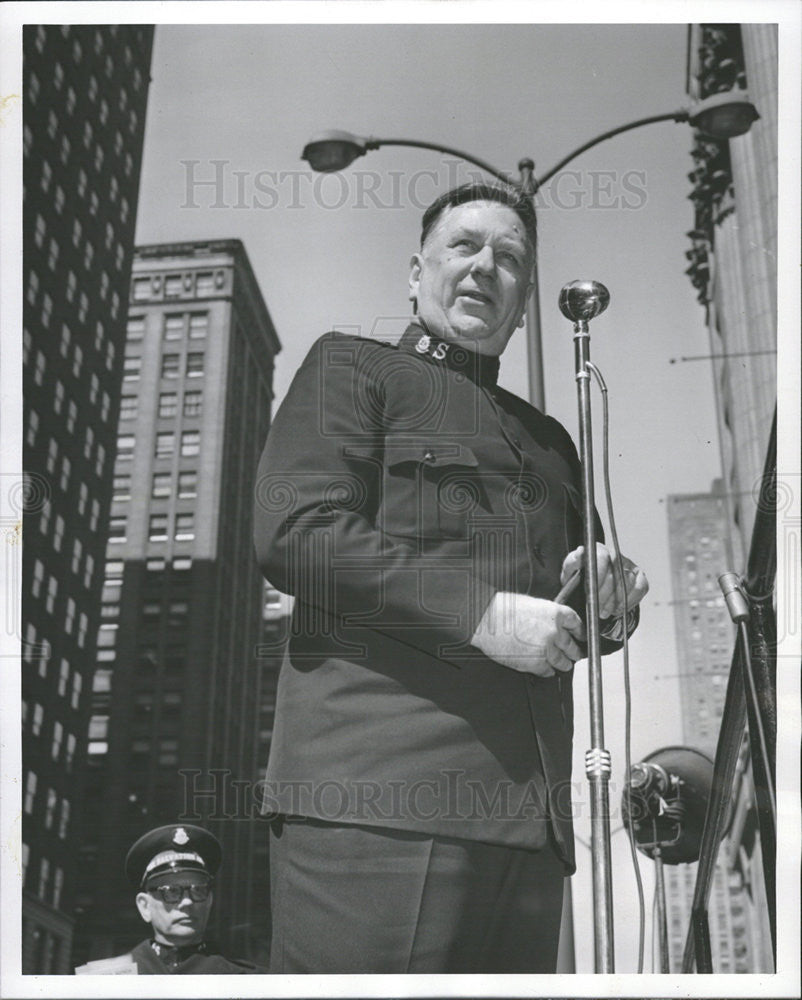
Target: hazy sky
(334, 252)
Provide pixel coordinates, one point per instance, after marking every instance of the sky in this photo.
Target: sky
(236, 105)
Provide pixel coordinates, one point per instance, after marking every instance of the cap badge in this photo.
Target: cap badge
(422, 345)
(180, 836)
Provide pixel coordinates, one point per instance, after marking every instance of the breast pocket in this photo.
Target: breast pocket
(430, 488)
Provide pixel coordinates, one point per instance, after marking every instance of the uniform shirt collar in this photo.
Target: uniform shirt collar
(480, 368)
(173, 955)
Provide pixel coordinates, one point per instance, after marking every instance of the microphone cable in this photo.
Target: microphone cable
(619, 569)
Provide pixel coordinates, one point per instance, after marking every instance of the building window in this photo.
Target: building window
(204, 283)
(44, 521)
(109, 355)
(94, 384)
(184, 527)
(172, 286)
(122, 487)
(117, 529)
(89, 569)
(194, 364)
(52, 593)
(70, 754)
(58, 886)
(168, 404)
(63, 677)
(198, 325)
(170, 366)
(190, 443)
(101, 681)
(155, 565)
(77, 359)
(107, 635)
(177, 613)
(58, 533)
(173, 326)
(40, 230)
(125, 447)
(33, 427)
(44, 877)
(151, 610)
(58, 736)
(64, 819)
(66, 468)
(83, 625)
(30, 792)
(77, 552)
(52, 455)
(158, 528)
(135, 329)
(38, 718)
(94, 516)
(100, 460)
(41, 366)
(182, 563)
(50, 807)
(165, 444)
(72, 415)
(141, 289)
(193, 403)
(132, 368)
(162, 485)
(129, 407)
(38, 577)
(105, 406)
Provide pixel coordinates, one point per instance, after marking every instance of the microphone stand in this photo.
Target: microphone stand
(581, 301)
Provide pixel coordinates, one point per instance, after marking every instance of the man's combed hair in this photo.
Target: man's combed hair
(504, 194)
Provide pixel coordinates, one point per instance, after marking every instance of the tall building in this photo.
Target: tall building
(85, 95)
(734, 254)
(174, 732)
(700, 551)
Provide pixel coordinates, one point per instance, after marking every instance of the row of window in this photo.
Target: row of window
(175, 327)
(66, 464)
(171, 366)
(88, 255)
(162, 485)
(158, 528)
(168, 405)
(46, 892)
(57, 539)
(200, 283)
(33, 647)
(165, 445)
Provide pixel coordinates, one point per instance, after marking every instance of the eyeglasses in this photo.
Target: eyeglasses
(197, 892)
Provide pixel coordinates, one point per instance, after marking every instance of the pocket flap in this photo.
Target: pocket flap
(431, 452)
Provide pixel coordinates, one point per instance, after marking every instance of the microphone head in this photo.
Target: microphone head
(583, 300)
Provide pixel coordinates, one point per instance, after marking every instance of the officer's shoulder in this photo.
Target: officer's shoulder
(548, 429)
(119, 965)
(339, 338)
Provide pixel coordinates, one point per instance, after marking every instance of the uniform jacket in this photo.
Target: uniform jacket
(400, 488)
(144, 961)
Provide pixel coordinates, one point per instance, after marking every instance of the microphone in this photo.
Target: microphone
(582, 301)
(737, 604)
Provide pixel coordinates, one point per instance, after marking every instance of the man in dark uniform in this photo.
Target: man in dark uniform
(173, 867)
(425, 519)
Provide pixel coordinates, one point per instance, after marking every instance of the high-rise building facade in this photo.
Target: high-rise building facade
(174, 732)
(84, 102)
(734, 255)
(700, 551)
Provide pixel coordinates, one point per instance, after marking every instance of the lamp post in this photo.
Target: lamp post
(721, 116)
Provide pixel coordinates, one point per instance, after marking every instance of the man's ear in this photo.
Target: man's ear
(415, 264)
(143, 905)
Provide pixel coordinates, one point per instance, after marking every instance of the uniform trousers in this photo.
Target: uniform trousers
(356, 899)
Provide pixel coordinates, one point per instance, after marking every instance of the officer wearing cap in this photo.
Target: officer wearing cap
(173, 868)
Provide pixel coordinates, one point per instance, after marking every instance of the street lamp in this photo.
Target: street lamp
(720, 116)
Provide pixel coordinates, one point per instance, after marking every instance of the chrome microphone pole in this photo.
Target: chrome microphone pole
(582, 301)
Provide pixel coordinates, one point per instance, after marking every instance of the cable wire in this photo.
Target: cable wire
(627, 686)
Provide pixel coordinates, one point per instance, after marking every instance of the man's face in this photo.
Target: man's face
(472, 276)
(180, 923)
